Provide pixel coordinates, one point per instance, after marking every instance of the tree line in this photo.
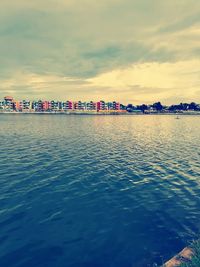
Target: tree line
(158, 107)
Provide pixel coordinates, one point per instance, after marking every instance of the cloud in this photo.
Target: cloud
(152, 81)
(85, 41)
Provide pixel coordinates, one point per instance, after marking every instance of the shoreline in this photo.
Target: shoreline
(188, 257)
(100, 113)
(185, 256)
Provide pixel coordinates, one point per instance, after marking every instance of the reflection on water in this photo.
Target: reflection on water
(97, 190)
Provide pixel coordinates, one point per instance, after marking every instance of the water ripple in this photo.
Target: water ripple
(97, 191)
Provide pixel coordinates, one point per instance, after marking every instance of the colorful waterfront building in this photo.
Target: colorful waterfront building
(46, 105)
(8, 102)
(101, 105)
(34, 105)
(91, 105)
(8, 99)
(67, 105)
(78, 105)
(43, 105)
(114, 106)
(26, 104)
(2, 105)
(75, 106)
(40, 105)
(17, 105)
(55, 105)
(37, 105)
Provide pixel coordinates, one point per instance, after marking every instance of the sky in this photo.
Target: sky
(132, 51)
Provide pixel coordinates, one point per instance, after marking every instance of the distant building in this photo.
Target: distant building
(43, 105)
(68, 105)
(101, 105)
(2, 105)
(55, 105)
(34, 105)
(17, 105)
(91, 105)
(80, 105)
(46, 105)
(8, 102)
(113, 106)
(26, 104)
(37, 105)
(8, 99)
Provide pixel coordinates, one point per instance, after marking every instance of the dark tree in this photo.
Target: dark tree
(143, 107)
(184, 106)
(158, 106)
(193, 106)
(130, 108)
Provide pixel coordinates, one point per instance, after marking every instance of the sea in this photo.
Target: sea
(97, 191)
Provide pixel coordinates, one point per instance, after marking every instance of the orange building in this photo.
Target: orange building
(8, 102)
(17, 105)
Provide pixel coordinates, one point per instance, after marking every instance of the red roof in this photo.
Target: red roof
(8, 98)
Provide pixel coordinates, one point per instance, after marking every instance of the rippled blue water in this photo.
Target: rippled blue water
(97, 191)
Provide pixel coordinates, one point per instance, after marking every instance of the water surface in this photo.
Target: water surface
(97, 191)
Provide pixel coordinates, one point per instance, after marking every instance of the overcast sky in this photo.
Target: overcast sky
(133, 51)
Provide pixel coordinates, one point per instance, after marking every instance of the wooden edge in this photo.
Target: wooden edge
(184, 256)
